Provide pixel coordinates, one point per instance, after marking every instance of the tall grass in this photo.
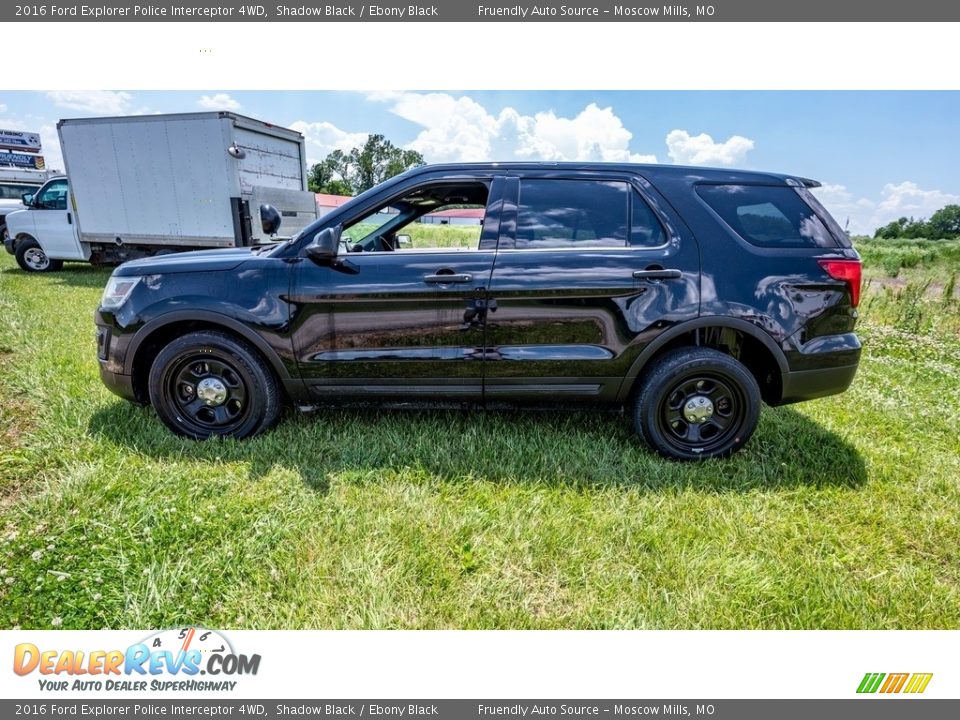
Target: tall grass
(840, 513)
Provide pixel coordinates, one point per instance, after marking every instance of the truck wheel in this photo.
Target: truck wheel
(31, 257)
(210, 384)
(696, 403)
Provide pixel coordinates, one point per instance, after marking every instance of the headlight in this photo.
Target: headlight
(117, 291)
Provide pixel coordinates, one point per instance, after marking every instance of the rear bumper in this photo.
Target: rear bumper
(809, 384)
(824, 366)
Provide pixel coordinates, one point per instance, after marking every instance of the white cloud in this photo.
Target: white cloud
(323, 138)
(461, 129)
(908, 199)
(687, 149)
(3, 108)
(865, 215)
(219, 101)
(100, 102)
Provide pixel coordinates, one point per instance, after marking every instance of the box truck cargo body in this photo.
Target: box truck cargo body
(192, 180)
(145, 184)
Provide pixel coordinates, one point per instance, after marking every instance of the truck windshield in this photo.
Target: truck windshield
(13, 192)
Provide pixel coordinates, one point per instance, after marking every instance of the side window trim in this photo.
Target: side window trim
(490, 231)
(637, 196)
(507, 236)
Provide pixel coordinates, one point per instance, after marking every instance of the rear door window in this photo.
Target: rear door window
(572, 214)
(768, 216)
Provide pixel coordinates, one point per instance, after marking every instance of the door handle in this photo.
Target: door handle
(69, 219)
(657, 274)
(444, 278)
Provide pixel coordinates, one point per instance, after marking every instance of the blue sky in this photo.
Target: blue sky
(880, 155)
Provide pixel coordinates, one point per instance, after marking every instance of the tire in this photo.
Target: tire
(211, 384)
(696, 403)
(31, 257)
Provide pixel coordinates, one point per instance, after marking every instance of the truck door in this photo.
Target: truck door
(589, 269)
(404, 314)
(55, 221)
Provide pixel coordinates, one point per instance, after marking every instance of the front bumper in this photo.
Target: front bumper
(8, 243)
(111, 366)
(117, 383)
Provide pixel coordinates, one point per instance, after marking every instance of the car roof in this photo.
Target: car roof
(689, 173)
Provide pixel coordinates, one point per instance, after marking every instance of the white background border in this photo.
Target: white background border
(481, 56)
(286, 56)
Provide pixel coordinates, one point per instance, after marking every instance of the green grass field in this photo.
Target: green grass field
(840, 513)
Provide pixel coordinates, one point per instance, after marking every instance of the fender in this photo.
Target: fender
(213, 318)
(705, 321)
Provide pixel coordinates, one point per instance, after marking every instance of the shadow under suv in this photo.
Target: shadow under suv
(688, 295)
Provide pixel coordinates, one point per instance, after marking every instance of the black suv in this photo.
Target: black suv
(688, 295)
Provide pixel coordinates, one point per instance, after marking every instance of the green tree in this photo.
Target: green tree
(945, 222)
(351, 173)
(904, 228)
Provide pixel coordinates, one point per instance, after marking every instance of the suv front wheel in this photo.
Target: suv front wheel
(210, 384)
(696, 403)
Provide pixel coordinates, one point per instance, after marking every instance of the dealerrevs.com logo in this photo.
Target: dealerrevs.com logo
(182, 659)
(891, 683)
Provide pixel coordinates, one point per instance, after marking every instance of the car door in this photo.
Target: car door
(54, 222)
(589, 269)
(397, 323)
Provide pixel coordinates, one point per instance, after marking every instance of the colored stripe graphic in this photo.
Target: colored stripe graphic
(870, 682)
(894, 683)
(918, 682)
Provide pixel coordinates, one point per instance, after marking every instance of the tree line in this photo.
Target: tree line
(943, 224)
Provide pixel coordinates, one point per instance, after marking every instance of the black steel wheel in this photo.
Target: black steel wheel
(697, 403)
(211, 384)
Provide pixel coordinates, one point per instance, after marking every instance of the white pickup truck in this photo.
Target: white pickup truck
(155, 184)
(14, 182)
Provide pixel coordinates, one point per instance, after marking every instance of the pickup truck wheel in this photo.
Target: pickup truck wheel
(31, 257)
(697, 403)
(211, 384)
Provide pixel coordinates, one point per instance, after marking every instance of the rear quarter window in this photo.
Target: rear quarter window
(768, 216)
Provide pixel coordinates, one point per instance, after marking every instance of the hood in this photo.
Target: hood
(183, 262)
(10, 204)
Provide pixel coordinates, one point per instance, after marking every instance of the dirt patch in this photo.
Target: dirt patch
(934, 290)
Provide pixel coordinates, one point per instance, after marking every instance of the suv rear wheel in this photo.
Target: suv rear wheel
(696, 403)
(210, 384)
(31, 257)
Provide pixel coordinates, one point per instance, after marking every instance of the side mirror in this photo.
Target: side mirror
(269, 219)
(27, 199)
(323, 249)
(404, 240)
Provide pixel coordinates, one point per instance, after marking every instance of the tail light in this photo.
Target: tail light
(847, 270)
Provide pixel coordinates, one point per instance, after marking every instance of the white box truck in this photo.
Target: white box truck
(151, 184)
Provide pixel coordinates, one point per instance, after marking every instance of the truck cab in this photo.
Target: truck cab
(14, 182)
(44, 234)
